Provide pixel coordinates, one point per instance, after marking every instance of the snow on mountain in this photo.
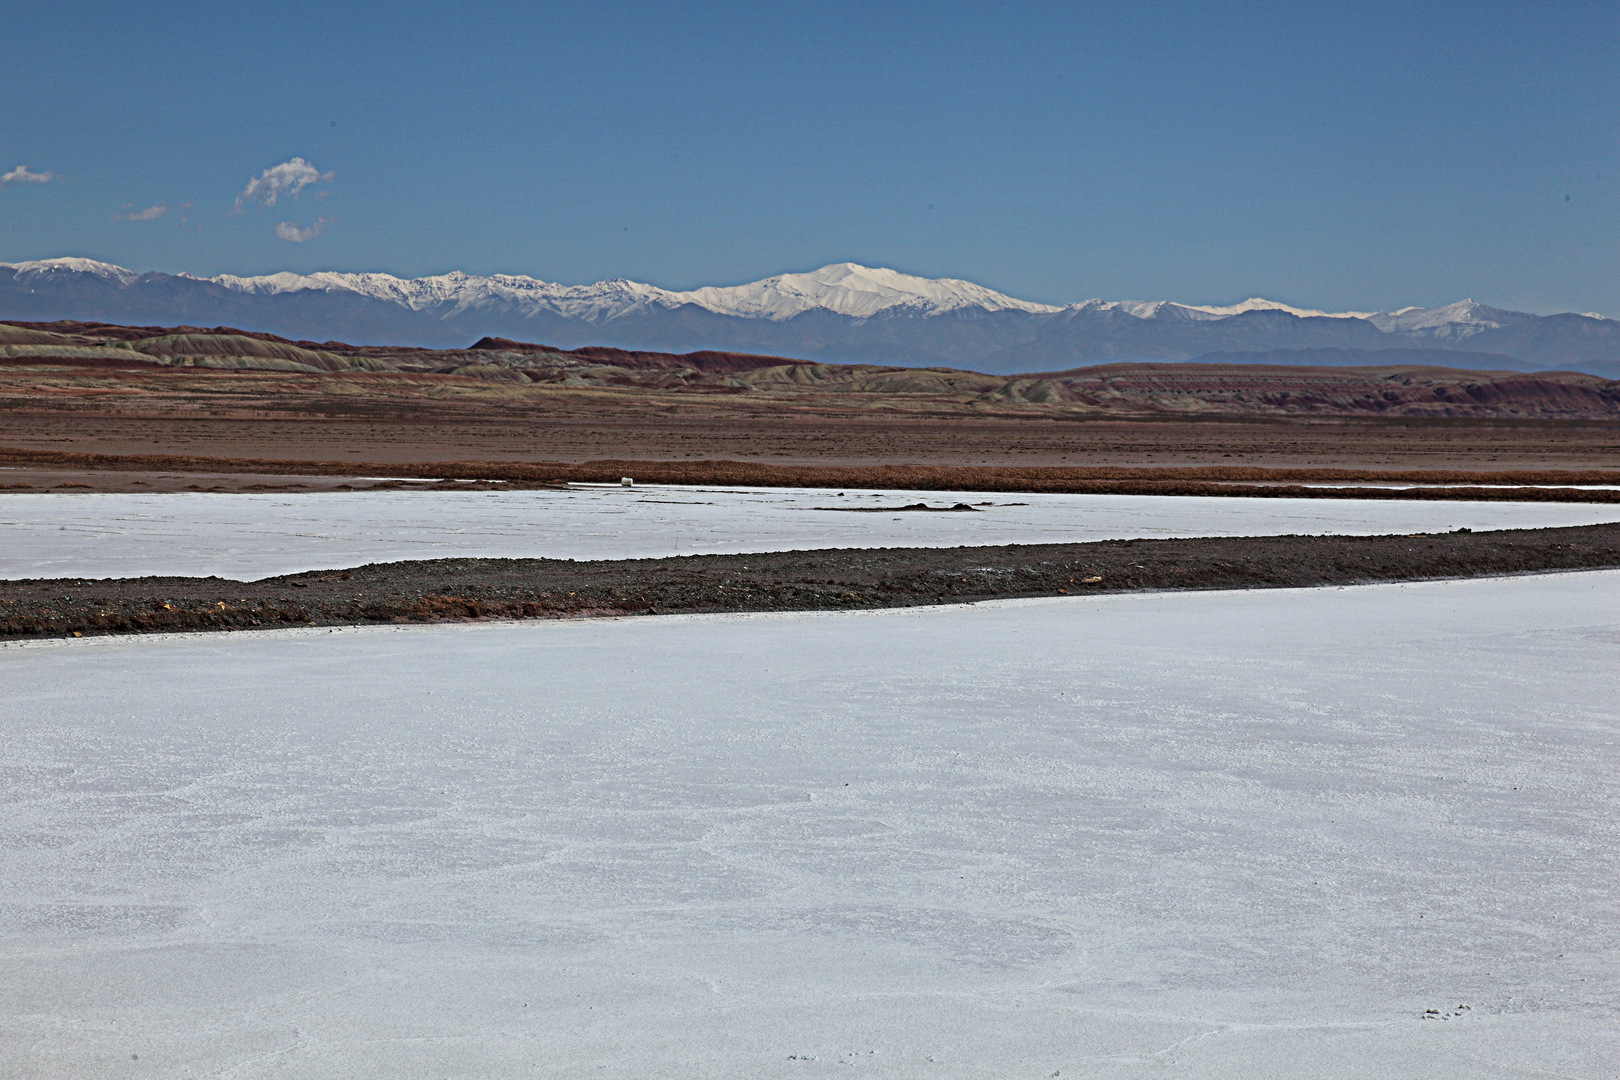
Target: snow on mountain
(1144, 309)
(1166, 309)
(1462, 319)
(853, 290)
(450, 294)
(843, 289)
(274, 284)
(1256, 303)
(847, 289)
(49, 267)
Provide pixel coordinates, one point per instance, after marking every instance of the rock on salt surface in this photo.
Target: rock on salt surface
(1200, 835)
(254, 536)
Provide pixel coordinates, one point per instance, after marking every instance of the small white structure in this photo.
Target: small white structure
(627, 481)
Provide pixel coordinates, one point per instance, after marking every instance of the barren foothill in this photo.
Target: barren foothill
(184, 393)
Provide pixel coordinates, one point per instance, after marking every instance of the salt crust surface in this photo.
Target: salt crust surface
(249, 536)
(1195, 835)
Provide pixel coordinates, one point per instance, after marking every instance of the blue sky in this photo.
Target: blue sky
(1342, 156)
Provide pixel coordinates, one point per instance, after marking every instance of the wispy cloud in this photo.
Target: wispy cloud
(288, 178)
(22, 175)
(141, 215)
(297, 234)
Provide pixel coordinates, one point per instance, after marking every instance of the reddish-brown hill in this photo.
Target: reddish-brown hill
(1397, 390)
(1190, 388)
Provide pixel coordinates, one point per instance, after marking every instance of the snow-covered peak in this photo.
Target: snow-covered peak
(1166, 309)
(72, 266)
(272, 284)
(1160, 309)
(457, 291)
(1142, 309)
(1458, 320)
(853, 290)
(1258, 303)
(1462, 319)
(842, 288)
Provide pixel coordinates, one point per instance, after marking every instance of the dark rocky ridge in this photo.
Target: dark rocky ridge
(833, 580)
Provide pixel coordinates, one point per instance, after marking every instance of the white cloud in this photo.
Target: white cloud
(141, 215)
(288, 178)
(297, 234)
(21, 175)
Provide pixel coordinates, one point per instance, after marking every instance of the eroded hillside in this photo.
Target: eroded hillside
(46, 361)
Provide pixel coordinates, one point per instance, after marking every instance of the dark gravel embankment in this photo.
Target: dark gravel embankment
(843, 579)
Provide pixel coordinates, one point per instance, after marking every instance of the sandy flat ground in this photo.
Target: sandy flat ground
(248, 536)
(346, 427)
(1257, 834)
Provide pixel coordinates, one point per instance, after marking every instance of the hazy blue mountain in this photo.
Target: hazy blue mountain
(842, 312)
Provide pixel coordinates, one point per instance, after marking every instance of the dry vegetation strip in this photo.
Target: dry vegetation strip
(1536, 485)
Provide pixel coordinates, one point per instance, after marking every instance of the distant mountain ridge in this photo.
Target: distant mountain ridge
(839, 313)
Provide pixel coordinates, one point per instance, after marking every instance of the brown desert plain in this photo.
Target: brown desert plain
(100, 407)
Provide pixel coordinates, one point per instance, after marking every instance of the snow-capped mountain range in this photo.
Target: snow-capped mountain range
(844, 289)
(843, 312)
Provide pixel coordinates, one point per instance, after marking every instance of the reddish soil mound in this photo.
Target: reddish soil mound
(500, 344)
(116, 332)
(714, 363)
(717, 363)
(99, 363)
(1286, 389)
